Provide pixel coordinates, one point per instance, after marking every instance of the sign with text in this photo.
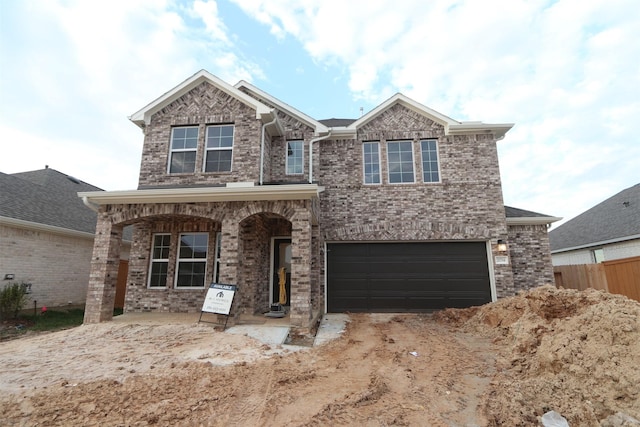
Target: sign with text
(219, 298)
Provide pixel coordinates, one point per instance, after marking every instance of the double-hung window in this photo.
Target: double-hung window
(371, 162)
(295, 158)
(400, 161)
(192, 260)
(184, 144)
(219, 149)
(430, 170)
(159, 260)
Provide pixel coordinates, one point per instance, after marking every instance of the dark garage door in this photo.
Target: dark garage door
(406, 277)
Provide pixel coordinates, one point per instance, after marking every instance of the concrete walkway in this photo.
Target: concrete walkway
(267, 330)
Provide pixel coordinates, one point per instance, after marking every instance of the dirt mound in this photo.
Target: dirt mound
(576, 352)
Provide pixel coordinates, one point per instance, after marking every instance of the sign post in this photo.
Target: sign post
(218, 300)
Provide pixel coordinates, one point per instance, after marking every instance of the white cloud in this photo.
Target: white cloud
(76, 70)
(565, 72)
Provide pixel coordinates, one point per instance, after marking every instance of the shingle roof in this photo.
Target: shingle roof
(614, 219)
(511, 212)
(48, 197)
(331, 123)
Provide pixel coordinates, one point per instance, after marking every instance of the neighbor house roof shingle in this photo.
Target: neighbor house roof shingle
(47, 197)
(615, 219)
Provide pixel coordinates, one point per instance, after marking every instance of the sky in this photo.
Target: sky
(566, 72)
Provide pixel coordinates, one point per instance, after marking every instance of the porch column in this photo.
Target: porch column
(301, 269)
(105, 260)
(229, 259)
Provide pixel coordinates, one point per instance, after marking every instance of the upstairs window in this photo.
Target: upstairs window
(184, 144)
(430, 169)
(219, 148)
(192, 260)
(295, 158)
(159, 261)
(371, 162)
(400, 162)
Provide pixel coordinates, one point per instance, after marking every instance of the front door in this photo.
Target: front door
(281, 259)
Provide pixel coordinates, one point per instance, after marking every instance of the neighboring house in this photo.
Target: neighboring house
(606, 232)
(46, 235)
(399, 210)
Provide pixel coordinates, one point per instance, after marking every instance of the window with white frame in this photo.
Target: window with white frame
(400, 161)
(219, 148)
(295, 158)
(184, 144)
(430, 168)
(371, 162)
(192, 260)
(159, 260)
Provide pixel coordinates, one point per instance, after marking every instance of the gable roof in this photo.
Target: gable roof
(46, 197)
(516, 216)
(613, 220)
(451, 127)
(142, 117)
(282, 106)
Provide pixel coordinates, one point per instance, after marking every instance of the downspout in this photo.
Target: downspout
(264, 126)
(89, 204)
(319, 138)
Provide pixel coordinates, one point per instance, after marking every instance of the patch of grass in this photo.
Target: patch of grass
(54, 320)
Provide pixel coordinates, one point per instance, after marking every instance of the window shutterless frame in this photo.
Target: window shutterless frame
(182, 150)
(191, 261)
(294, 158)
(371, 162)
(430, 160)
(400, 162)
(159, 264)
(218, 155)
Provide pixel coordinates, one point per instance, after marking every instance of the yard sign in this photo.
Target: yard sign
(218, 300)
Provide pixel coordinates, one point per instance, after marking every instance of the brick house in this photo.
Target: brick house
(46, 236)
(399, 210)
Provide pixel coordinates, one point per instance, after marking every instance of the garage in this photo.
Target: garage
(406, 277)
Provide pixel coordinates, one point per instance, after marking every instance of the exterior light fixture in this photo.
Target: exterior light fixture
(502, 246)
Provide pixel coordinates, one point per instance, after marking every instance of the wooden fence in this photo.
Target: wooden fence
(621, 276)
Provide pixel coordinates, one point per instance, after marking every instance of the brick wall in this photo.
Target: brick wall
(530, 256)
(57, 266)
(202, 106)
(466, 204)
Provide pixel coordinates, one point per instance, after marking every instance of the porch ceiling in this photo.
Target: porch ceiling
(203, 194)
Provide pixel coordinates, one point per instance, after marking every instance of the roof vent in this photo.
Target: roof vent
(72, 179)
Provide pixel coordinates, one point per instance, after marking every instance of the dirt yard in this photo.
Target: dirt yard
(506, 363)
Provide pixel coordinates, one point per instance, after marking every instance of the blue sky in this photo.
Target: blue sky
(566, 72)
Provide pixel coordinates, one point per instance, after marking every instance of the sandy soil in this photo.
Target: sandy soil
(505, 363)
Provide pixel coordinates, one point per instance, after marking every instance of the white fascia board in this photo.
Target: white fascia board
(399, 98)
(533, 220)
(499, 129)
(600, 243)
(45, 228)
(205, 194)
(143, 116)
(284, 107)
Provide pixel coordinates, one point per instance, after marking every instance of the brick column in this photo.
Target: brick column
(301, 269)
(229, 267)
(105, 260)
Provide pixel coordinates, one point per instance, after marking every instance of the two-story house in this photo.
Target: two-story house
(399, 210)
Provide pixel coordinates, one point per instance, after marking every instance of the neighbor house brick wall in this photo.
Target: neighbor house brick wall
(56, 265)
(530, 257)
